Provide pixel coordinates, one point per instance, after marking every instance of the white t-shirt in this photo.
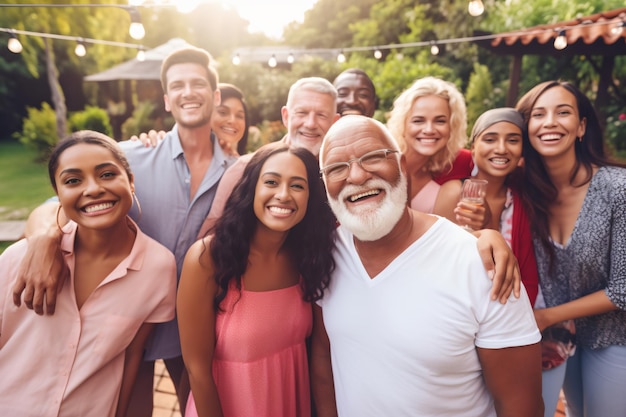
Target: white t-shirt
(404, 343)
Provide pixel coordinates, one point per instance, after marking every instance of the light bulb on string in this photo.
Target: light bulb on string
(80, 49)
(141, 55)
(341, 58)
(378, 54)
(618, 28)
(475, 8)
(290, 58)
(272, 61)
(560, 42)
(434, 49)
(14, 44)
(236, 59)
(136, 29)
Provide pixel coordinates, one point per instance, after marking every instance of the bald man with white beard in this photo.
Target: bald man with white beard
(407, 322)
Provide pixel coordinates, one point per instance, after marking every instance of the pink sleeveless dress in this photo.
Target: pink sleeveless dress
(260, 364)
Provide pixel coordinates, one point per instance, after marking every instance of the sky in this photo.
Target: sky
(270, 16)
(267, 16)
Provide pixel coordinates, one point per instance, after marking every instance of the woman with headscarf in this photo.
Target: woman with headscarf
(496, 146)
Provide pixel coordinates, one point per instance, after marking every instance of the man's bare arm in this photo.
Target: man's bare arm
(513, 377)
(43, 270)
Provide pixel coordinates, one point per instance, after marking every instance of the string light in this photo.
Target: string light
(136, 30)
(378, 53)
(13, 32)
(272, 61)
(141, 54)
(560, 42)
(440, 42)
(434, 49)
(618, 28)
(290, 58)
(80, 49)
(14, 44)
(475, 8)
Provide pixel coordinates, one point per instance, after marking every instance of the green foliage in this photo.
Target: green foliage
(327, 24)
(266, 132)
(140, 121)
(92, 118)
(615, 129)
(481, 95)
(24, 183)
(39, 130)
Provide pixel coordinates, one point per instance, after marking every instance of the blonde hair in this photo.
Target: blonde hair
(431, 86)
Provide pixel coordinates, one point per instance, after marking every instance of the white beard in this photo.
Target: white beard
(368, 222)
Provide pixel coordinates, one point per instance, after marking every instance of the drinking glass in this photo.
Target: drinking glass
(473, 192)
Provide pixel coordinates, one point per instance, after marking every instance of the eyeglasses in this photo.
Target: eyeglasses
(370, 162)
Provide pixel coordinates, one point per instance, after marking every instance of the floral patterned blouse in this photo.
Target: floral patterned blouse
(593, 259)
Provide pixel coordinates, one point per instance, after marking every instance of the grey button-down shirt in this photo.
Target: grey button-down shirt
(162, 186)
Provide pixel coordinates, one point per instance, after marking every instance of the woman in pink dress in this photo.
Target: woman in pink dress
(245, 293)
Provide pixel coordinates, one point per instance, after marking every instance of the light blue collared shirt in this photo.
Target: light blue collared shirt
(162, 185)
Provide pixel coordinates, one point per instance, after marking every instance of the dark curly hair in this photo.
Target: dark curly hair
(538, 190)
(310, 242)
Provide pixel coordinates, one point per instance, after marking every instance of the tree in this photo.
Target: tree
(70, 21)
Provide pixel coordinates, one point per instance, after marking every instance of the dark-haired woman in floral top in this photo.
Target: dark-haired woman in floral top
(576, 201)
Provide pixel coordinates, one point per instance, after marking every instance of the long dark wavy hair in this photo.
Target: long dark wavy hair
(310, 242)
(538, 190)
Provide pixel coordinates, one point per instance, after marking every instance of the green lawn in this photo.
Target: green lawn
(24, 183)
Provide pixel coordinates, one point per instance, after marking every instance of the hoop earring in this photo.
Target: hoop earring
(57, 218)
(138, 205)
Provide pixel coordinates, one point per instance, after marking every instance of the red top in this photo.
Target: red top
(461, 168)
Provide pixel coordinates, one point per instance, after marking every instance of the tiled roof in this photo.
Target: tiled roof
(596, 34)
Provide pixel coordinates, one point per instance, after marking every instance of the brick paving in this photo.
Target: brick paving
(166, 403)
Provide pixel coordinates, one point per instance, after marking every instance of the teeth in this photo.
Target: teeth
(190, 106)
(351, 111)
(98, 207)
(280, 210)
(499, 161)
(428, 141)
(552, 136)
(356, 197)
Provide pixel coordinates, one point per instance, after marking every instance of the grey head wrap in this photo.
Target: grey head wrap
(493, 116)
